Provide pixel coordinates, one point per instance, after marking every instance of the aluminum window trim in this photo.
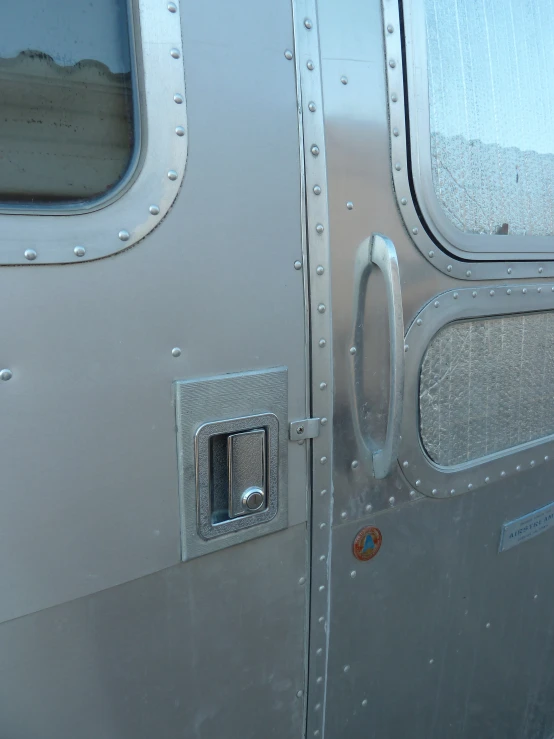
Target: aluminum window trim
(408, 108)
(421, 472)
(82, 232)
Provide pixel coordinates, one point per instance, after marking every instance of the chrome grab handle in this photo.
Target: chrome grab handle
(379, 251)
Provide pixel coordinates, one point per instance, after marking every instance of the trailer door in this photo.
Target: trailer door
(153, 568)
(432, 596)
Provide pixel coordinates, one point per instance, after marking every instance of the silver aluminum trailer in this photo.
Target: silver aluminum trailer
(277, 369)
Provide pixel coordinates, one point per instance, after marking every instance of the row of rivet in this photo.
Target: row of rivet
(399, 166)
(307, 40)
(455, 295)
(124, 235)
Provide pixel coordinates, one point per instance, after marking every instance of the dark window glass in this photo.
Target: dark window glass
(66, 113)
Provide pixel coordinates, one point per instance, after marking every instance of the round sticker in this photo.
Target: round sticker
(367, 543)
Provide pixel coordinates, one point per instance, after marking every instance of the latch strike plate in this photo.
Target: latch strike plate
(307, 428)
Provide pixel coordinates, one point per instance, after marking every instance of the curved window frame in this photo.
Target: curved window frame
(462, 255)
(77, 232)
(423, 474)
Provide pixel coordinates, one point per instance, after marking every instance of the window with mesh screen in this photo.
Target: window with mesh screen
(66, 91)
(491, 103)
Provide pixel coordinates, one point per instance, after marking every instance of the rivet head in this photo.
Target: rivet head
(322, 385)
(319, 269)
(418, 483)
(524, 291)
(172, 174)
(470, 486)
(390, 28)
(491, 292)
(487, 479)
(176, 352)
(321, 308)
(532, 463)
(315, 150)
(344, 80)
(6, 375)
(508, 291)
(154, 210)
(323, 493)
(419, 322)
(404, 201)
(178, 98)
(172, 7)
(310, 65)
(175, 53)
(364, 702)
(392, 64)
(405, 463)
(368, 508)
(395, 132)
(301, 581)
(349, 205)
(434, 491)
(180, 131)
(30, 254)
(319, 228)
(413, 494)
(353, 350)
(394, 97)
(415, 230)
(321, 588)
(353, 573)
(319, 651)
(124, 235)
(322, 525)
(449, 268)
(307, 23)
(297, 265)
(288, 54)
(452, 492)
(311, 107)
(431, 254)
(323, 421)
(509, 270)
(502, 474)
(406, 347)
(343, 515)
(436, 303)
(317, 190)
(474, 294)
(346, 668)
(518, 468)
(354, 464)
(468, 273)
(540, 270)
(323, 460)
(392, 500)
(299, 693)
(398, 166)
(455, 296)
(322, 343)
(79, 251)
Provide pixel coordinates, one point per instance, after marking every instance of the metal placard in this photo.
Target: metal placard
(526, 527)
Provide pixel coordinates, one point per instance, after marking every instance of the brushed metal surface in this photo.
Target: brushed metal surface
(438, 635)
(443, 636)
(89, 464)
(207, 649)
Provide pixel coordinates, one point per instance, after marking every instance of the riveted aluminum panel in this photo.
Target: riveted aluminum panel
(442, 636)
(90, 475)
(404, 659)
(207, 649)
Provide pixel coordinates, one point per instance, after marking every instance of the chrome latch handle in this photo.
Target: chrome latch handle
(379, 251)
